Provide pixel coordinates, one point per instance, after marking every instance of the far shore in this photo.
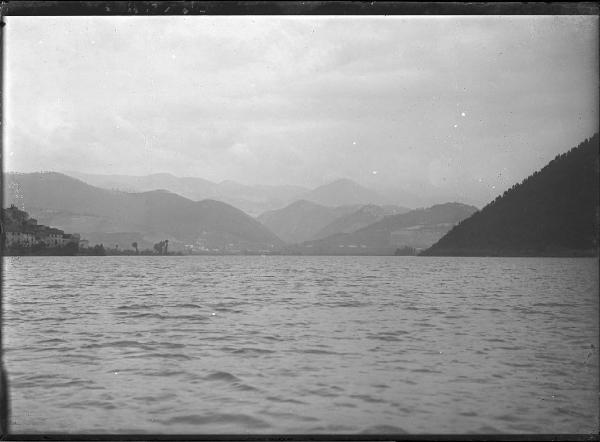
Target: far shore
(528, 254)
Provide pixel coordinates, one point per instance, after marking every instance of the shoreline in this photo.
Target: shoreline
(550, 255)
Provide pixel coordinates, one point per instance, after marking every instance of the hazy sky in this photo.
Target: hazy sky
(470, 104)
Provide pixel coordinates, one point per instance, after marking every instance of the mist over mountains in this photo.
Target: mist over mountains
(364, 216)
(553, 212)
(305, 220)
(118, 218)
(344, 192)
(257, 199)
(251, 199)
(301, 220)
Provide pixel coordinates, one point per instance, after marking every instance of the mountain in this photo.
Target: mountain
(257, 199)
(344, 192)
(186, 186)
(301, 220)
(70, 204)
(251, 199)
(553, 212)
(365, 215)
(418, 228)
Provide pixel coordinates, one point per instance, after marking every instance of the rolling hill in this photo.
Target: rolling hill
(365, 215)
(301, 220)
(418, 228)
(70, 204)
(553, 212)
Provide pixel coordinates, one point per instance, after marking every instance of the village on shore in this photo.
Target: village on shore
(21, 235)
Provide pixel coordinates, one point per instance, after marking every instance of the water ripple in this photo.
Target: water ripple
(275, 344)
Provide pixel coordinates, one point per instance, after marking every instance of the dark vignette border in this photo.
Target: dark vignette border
(217, 8)
(57, 8)
(304, 437)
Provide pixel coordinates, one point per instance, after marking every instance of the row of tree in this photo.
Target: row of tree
(160, 248)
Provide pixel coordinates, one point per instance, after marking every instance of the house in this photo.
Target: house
(50, 236)
(18, 230)
(71, 238)
(19, 238)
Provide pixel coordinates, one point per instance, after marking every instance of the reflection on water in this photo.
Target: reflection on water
(301, 344)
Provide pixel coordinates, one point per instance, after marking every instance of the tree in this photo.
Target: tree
(405, 251)
(99, 250)
(135, 246)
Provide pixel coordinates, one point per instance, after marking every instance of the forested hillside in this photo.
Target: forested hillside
(553, 212)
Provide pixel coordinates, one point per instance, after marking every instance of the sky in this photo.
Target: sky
(458, 105)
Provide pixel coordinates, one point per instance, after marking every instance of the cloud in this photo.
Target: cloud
(282, 99)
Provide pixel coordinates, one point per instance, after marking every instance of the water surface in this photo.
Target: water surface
(301, 344)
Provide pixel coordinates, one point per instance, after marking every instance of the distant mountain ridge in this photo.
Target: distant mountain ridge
(344, 192)
(251, 199)
(553, 212)
(71, 204)
(254, 200)
(417, 228)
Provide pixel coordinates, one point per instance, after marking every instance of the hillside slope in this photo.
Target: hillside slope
(73, 205)
(418, 228)
(301, 220)
(553, 212)
(364, 216)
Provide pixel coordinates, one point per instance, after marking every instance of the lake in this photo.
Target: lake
(291, 344)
